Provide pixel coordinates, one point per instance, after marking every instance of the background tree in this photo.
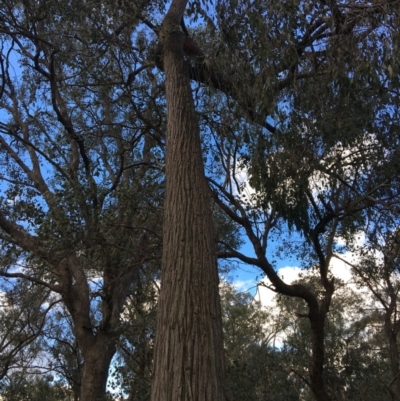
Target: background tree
(35, 388)
(330, 158)
(378, 271)
(78, 161)
(134, 364)
(255, 368)
(24, 311)
(356, 364)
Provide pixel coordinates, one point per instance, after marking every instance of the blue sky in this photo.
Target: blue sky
(246, 276)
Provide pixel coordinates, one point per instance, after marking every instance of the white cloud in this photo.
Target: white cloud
(244, 285)
(341, 269)
(241, 185)
(265, 295)
(338, 268)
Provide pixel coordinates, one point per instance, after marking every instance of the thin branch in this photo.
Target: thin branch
(52, 287)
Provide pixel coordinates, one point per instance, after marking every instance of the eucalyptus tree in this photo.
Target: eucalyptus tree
(377, 270)
(306, 92)
(133, 366)
(81, 185)
(356, 364)
(325, 196)
(310, 111)
(188, 353)
(298, 85)
(63, 360)
(255, 368)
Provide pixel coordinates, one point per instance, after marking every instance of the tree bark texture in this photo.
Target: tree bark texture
(188, 360)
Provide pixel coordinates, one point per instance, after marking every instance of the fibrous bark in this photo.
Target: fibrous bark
(188, 361)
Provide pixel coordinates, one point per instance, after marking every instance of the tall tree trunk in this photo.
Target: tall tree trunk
(97, 359)
(188, 355)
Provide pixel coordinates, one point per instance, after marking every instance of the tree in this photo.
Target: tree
(188, 354)
(303, 63)
(81, 190)
(378, 271)
(35, 388)
(134, 364)
(322, 223)
(314, 83)
(24, 311)
(63, 357)
(330, 158)
(255, 368)
(356, 363)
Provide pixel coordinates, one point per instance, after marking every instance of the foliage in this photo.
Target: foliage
(252, 368)
(356, 359)
(37, 388)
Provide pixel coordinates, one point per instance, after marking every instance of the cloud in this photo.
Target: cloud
(339, 269)
(289, 274)
(265, 295)
(244, 285)
(241, 187)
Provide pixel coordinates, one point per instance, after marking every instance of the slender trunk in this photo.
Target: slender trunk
(188, 355)
(97, 359)
(317, 357)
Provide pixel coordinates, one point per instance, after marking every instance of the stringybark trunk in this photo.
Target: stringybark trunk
(188, 355)
(97, 359)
